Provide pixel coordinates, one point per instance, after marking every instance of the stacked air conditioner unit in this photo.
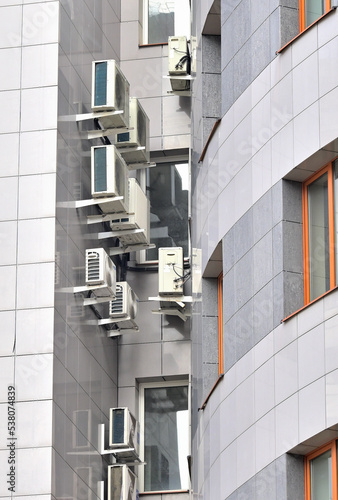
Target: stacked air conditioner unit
(136, 137)
(138, 217)
(179, 62)
(170, 271)
(109, 178)
(124, 435)
(100, 273)
(110, 92)
(124, 306)
(122, 483)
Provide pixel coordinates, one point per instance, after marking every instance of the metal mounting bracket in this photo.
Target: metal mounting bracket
(87, 203)
(130, 248)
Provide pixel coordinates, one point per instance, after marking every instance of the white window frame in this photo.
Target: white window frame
(145, 25)
(141, 255)
(154, 385)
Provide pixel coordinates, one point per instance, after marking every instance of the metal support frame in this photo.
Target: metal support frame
(87, 203)
(95, 134)
(117, 234)
(119, 331)
(130, 248)
(172, 312)
(115, 452)
(87, 288)
(136, 166)
(180, 300)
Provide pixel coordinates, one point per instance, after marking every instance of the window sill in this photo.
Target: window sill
(309, 304)
(306, 29)
(163, 492)
(220, 377)
(142, 45)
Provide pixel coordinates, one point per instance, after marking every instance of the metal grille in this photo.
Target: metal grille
(116, 306)
(93, 267)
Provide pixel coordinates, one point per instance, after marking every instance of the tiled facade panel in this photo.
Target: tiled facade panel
(28, 237)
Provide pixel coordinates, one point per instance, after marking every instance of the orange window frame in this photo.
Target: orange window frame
(302, 12)
(329, 446)
(220, 323)
(306, 256)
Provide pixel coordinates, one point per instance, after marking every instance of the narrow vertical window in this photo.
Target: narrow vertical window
(319, 233)
(321, 473)
(311, 10)
(162, 19)
(220, 323)
(165, 436)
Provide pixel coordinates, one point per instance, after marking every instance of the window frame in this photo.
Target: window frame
(332, 445)
(141, 255)
(306, 256)
(302, 9)
(220, 323)
(145, 27)
(154, 385)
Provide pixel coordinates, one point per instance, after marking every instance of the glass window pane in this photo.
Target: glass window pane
(321, 477)
(166, 444)
(161, 20)
(167, 189)
(335, 190)
(313, 10)
(319, 258)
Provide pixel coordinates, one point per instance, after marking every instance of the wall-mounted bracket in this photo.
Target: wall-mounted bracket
(136, 166)
(179, 300)
(171, 311)
(88, 288)
(80, 117)
(116, 321)
(130, 248)
(116, 452)
(87, 203)
(117, 234)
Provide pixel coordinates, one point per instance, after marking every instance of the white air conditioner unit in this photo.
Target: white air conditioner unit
(138, 135)
(124, 306)
(100, 272)
(121, 483)
(178, 55)
(109, 178)
(170, 271)
(179, 62)
(110, 92)
(124, 434)
(138, 217)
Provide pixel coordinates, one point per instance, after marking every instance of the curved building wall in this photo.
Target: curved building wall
(276, 400)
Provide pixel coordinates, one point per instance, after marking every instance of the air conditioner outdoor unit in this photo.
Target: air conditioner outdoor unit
(138, 217)
(110, 92)
(170, 271)
(138, 136)
(109, 178)
(124, 435)
(100, 272)
(121, 483)
(179, 62)
(124, 306)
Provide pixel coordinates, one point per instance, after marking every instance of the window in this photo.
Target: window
(220, 323)
(311, 10)
(321, 473)
(164, 18)
(167, 187)
(320, 204)
(164, 420)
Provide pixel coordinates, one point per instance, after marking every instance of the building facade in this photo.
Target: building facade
(242, 381)
(265, 397)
